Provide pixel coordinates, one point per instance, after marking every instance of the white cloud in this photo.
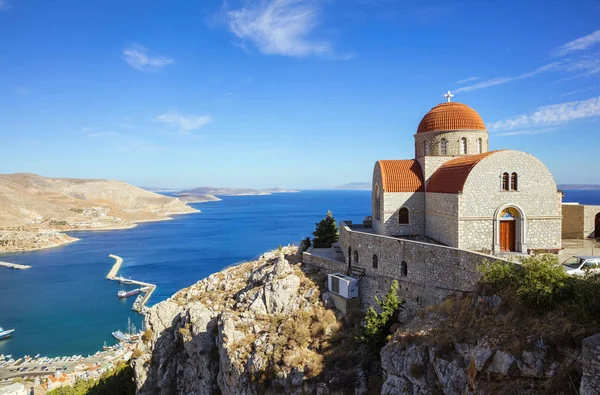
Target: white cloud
(101, 134)
(185, 123)
(579, 44)
(279, 27)
(525, 132)
(504, 80)
(552, 114)
(470, 79)
(137, 57)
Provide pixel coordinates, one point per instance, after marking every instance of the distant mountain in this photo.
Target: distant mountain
(579, 187)
(198, 198)
(355, 186)
(233, 191)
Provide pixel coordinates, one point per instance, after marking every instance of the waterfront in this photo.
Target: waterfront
(64, 304)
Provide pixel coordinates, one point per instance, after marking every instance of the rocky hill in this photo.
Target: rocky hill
(35, 210)
(256, 328)
(234, 191)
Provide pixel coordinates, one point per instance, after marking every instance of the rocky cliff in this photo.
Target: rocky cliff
(34, 210)
(256, 328)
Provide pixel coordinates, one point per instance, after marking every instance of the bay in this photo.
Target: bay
(64, 305)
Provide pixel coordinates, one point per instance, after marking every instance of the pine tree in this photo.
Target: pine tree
(326, 232)
(378, 325)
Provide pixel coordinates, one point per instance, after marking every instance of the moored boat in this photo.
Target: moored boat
(5, 333)
(126, 294)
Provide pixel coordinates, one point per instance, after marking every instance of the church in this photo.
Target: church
(457, 193)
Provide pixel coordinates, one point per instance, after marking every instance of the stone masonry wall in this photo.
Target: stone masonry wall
(393, 202)
(453, 138)
(589, 220)
(572, 222)
(536, 196)
(430, 164)
(590, 358)
(428, 266)
(441, 223)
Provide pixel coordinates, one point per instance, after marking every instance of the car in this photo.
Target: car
(580, 265)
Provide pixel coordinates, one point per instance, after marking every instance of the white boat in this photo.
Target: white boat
(5, 333)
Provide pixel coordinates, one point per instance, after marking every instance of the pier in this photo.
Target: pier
(14, 266)
(147, 288)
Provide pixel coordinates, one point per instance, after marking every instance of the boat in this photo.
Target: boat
(125, 280)
(5, 333)
(125, 294)
(120, 336)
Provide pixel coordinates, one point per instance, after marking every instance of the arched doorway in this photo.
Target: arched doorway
(509, 230)
(597, 233)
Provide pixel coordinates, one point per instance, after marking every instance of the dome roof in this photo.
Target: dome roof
(451, 116)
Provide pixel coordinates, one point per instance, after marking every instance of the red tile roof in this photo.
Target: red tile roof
(401, 176)
(451, 116)
(452, 175)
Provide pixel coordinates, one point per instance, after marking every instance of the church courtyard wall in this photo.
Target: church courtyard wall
(579, 221)
(425, 271)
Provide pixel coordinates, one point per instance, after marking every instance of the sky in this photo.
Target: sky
(288, 93)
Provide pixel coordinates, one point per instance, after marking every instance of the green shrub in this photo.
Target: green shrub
(542, 285)
(377, 325)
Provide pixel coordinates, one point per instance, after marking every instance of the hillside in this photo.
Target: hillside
(35, 210)
(233, 191)
(354, 186)
(207, 197)
(579, 187)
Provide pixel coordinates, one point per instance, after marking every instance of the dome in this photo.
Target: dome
(451, 116)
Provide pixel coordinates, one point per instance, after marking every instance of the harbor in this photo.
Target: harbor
(14, 266)
(144, 291)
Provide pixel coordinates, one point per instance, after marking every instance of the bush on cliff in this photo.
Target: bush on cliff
(326, 232)
(541, 284)
(118, 381)
(377, 325)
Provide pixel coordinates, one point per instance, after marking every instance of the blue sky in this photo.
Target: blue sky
(289, 93)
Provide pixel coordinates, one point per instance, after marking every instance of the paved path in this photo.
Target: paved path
(116, 267)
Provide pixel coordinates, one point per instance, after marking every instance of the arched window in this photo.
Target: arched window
(404, 269)
(463, 146)
(403, 215)
(505, 182)
(443, 146)
(375, 261)
(514, 182)
(426, 147)
(377, 205)
(355, 256)
(479, 146)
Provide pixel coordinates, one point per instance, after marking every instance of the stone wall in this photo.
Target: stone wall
(590, 360)
(392, 203)
(430, 164)
(453, 142)
(536, 198)
(441, 223)
(572, 222)
(330, 265)
(424, 270)
(589, 220)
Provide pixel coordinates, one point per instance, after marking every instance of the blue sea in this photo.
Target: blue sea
(64, 305)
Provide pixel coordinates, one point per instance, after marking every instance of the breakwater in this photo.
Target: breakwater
(14, 266)
(146, 288)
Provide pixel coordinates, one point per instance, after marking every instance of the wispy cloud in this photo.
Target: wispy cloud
(184, 123)
(4, 5)
(470, 79)
(504, 80)
(552, 114)
(580, 44)
(526, 132)
(589, 88)
(102, 134)
(137, 57)
(280, 27)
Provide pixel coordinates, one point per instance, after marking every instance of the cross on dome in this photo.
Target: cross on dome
(448, 96)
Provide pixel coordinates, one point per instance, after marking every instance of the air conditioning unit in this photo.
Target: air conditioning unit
(345, 286)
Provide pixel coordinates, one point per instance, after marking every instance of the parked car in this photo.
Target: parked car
(579, 265)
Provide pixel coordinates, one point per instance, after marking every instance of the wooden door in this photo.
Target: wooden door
(508, 235)
(597, 226)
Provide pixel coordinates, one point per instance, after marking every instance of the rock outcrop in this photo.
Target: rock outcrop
(256, 328)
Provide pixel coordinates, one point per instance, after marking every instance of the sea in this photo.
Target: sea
(64, 305)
